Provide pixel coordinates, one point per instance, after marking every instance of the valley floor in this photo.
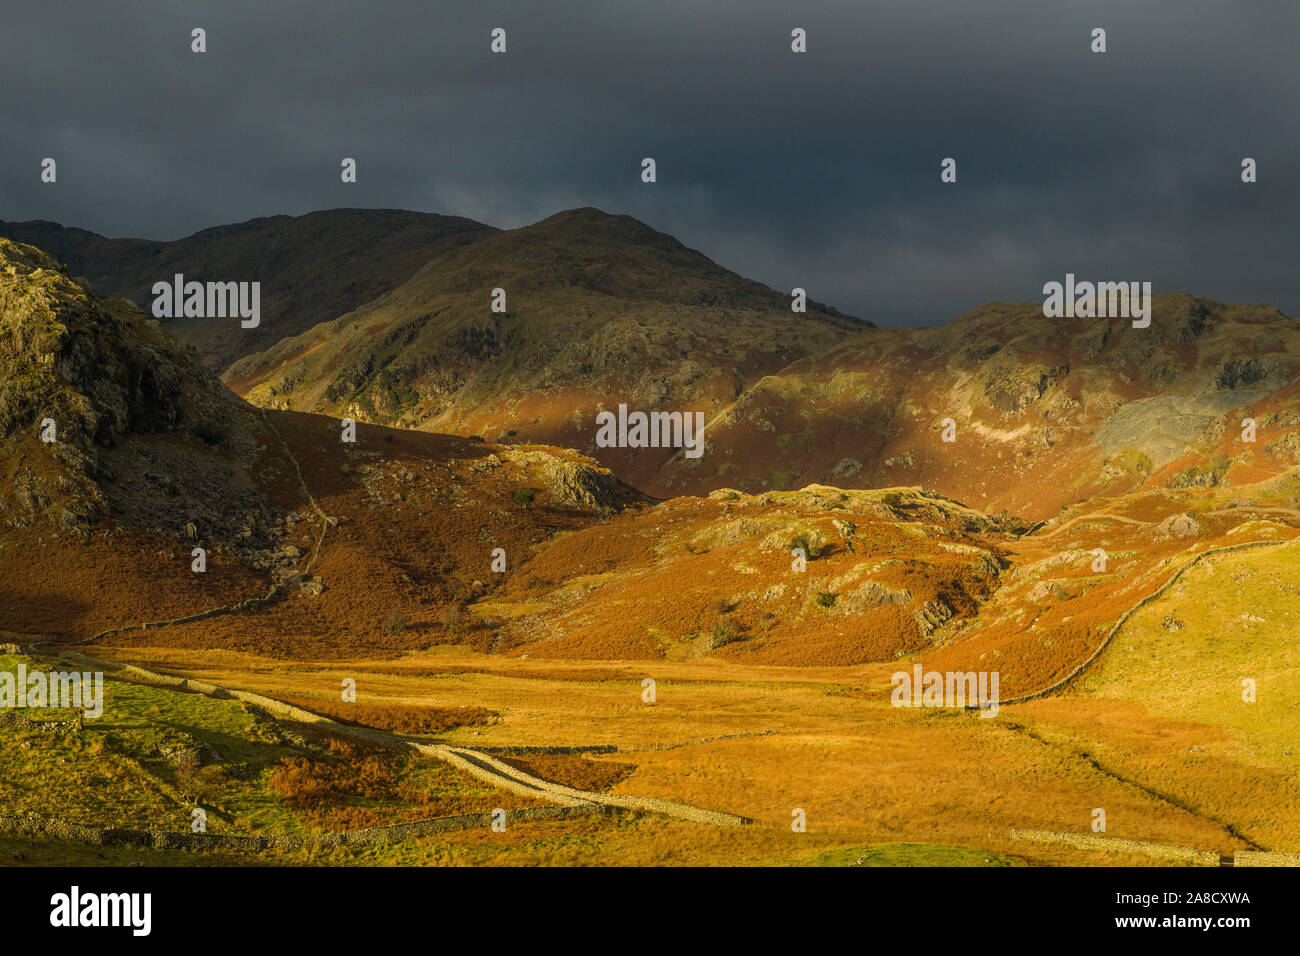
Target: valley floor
(1144, 719)
(1157, 737)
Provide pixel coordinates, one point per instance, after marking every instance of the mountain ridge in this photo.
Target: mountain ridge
(601, 310)
(1043, 412)
(597, 309)
(313, 267)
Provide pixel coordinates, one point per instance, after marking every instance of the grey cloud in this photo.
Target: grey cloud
(818, 170)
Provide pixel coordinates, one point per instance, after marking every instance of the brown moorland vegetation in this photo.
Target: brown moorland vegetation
(409, 719)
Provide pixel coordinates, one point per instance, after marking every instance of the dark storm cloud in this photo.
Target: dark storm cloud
(817, 170)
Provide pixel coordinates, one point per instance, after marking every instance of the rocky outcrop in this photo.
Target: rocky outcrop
(578, 484)
(1179, 526)
(870, 594)
(104, 415)
(932, 615)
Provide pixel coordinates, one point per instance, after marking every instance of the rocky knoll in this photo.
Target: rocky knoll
(140, 430)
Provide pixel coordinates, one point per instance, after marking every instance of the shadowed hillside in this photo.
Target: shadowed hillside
(152, 457)
(312, 268)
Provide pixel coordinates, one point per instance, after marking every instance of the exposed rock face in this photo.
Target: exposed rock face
(1247, 372)
(932, 615)
(185, 751)
(1285, 449)
(1197, 478)
(312, 588)
(870, 594)
(142, 431)
(846, 530)
(286, 577)
(1042, 591)
(1012, 388)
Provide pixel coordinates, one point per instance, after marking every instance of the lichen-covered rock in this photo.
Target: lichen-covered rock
(868, 595)
(1179, 526)
(932, 615)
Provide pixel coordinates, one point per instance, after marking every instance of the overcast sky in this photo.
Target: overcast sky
(818, 170)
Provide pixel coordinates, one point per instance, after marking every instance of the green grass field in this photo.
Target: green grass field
(155, 754)
(1186, 656)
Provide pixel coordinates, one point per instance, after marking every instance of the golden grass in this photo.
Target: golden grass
(863, 771)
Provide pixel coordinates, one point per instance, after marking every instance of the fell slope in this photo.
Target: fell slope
(1077, 580)
(601, 310)
(151, 457)
(1047, 412)
(154, 457)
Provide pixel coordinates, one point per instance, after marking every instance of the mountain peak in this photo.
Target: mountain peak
(590, 222)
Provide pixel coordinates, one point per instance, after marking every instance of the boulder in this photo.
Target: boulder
(1179, 526)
